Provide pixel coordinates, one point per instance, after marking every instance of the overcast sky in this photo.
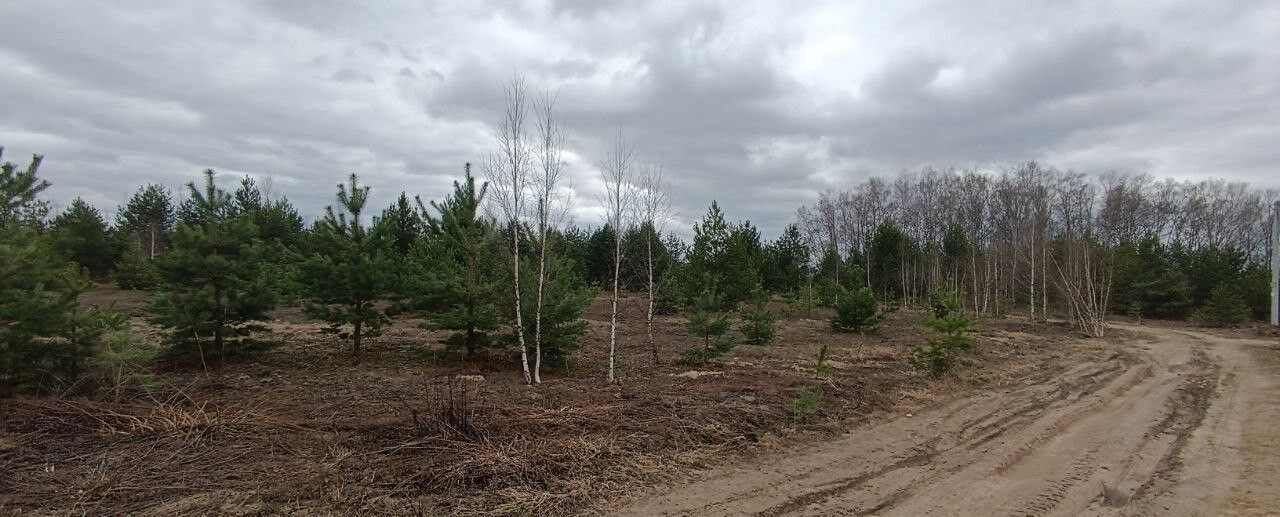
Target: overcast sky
(758, 105)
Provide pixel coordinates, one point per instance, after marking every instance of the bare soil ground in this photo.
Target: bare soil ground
(295, 427)
(1176, 422)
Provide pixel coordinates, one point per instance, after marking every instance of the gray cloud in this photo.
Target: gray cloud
(757, 105)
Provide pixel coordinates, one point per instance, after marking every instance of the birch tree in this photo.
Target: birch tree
(550, 150)
(616, 171)
(1083, 265)
(653, 209)
(508, 170)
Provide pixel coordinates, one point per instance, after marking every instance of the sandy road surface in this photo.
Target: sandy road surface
(1180, 423)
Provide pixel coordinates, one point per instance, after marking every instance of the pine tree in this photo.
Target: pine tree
(756, 321)
(564, 297)
(453, 277)
(42, 330)
(135, 270)
(787, 262)
(79, 234)
(1223, 308)
(146, 220)
(404, 225)
(83, 330)
(598, 261)
(709, 323)
(706, 255)
(36, 301)
(889, 251)
(18, 193)
(855, 310)
(939, 355)
(31, 305)
(351, 268)
(212, 287)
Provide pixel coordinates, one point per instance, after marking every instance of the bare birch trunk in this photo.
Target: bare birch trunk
(508, 170)
(653, 344)
(1032, 299)
(542, 281)
(613, 314)
(515, 267)
(616, 172)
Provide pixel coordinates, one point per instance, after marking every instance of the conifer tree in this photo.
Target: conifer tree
(710, 241)
(855, 310)
(80, 235)
(757, 321)
(42, 330)
(31, 305)
(710, 324)
(83, 330)
(453, 276)
(787, 262)
(36, 302)
(146, 220)
(350, 269)
(212, 286)
(726, 258)
(18, 193)
(564, 296)
(404, 225)
(939, 354)
(135, 270)
(1224, 307)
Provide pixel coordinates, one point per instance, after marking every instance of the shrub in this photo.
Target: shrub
(757, 323)
(822, 367)
(667, 298)
(939, 355)
(828, 293)
(800, 301)
(805, 404)
(1224, 307)
(856, 310)
(135, 271)
(708, 323)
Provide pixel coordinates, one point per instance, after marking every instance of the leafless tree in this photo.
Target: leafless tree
(550, 157)
(616, 171)
(1083, 265)
(1019, 233)
(653, 208)
(508, 170)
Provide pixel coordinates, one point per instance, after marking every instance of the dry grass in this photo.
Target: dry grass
(302, 430)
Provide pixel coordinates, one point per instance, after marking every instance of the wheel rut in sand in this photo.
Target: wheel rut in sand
(1106, 437)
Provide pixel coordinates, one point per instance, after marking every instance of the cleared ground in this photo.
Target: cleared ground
(1175, 423)
(1040, 421)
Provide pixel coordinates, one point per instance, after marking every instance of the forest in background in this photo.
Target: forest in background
(495, 263)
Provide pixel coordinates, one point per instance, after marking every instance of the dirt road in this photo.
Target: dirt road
(1179, 423)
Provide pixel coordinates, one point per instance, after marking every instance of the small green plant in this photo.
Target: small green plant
(822, 367)
(943, 302)
(1224, 308)
(856, 310)
(939, 355)
(135, 270)
(757, 322)
(805, 404)
(800, 301)
(828, 293)
(1003, 305)
(708, 323)
(121, 362)
(667, 297)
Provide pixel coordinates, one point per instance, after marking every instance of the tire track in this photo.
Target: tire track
(1101, 438)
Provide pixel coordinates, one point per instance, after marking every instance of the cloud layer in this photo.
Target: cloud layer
(757, 105)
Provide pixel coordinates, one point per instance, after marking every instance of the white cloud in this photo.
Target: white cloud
(759, 105)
